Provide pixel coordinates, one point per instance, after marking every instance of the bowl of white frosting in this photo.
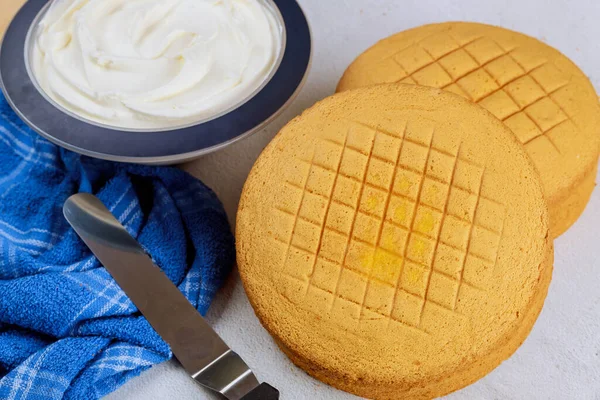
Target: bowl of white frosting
(153, 81)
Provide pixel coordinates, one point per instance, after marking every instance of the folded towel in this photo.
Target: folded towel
(66, 329)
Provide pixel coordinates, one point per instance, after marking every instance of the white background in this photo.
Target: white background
(561, 358)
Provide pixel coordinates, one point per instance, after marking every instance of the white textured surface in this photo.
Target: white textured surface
(561, 357)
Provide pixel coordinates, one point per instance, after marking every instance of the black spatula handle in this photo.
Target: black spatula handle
(263, 392)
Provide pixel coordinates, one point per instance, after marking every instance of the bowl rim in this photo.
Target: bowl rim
(248, 117)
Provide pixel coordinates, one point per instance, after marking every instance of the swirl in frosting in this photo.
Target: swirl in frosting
(154, 64)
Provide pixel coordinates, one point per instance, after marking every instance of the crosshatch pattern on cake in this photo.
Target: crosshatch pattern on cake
(383, 223)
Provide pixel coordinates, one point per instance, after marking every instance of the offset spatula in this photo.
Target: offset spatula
(194, 343)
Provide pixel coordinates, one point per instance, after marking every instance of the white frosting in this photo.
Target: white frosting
(154, 64)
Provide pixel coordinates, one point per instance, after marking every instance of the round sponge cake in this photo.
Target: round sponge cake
(539, 93)
(394, 241)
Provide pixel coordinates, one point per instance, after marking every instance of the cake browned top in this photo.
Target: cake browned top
(545, 99)
(393, 234)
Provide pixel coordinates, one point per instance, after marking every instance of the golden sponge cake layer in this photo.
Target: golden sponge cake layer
(390, 246)
(543, 97)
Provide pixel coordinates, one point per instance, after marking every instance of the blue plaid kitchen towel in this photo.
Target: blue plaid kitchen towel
(66, 329)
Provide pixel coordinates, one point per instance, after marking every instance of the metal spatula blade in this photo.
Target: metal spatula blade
(198, 348)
